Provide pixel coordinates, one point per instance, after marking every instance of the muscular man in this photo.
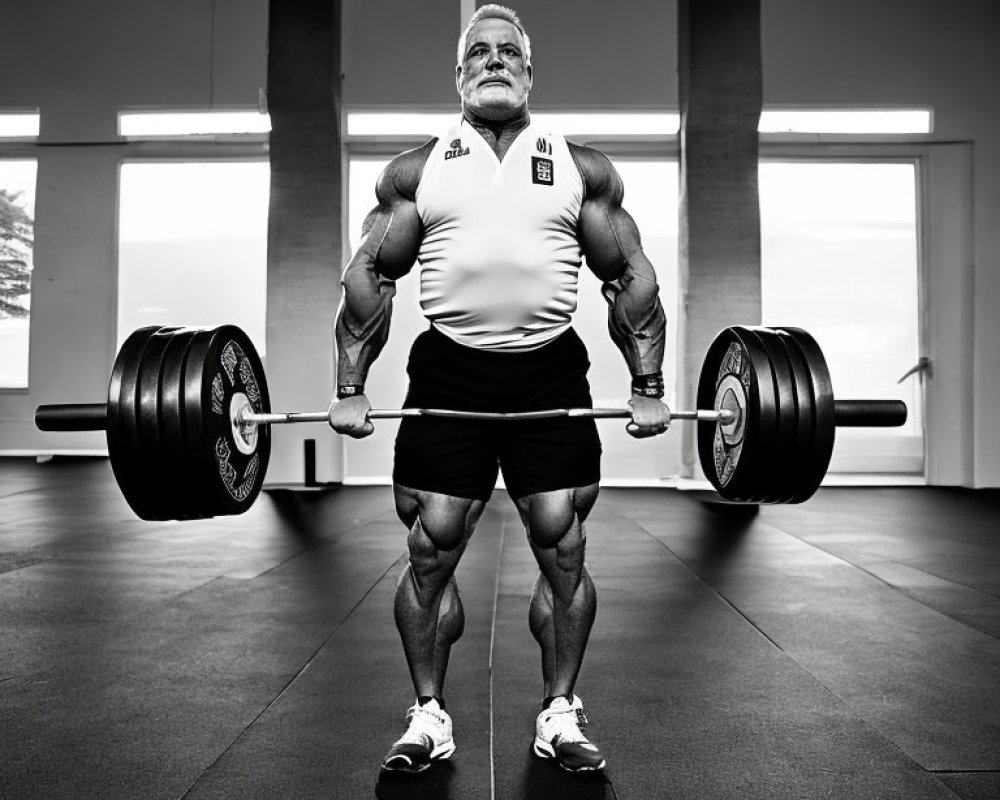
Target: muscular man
(498, 213)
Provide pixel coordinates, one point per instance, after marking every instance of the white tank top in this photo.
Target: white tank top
(500, 258)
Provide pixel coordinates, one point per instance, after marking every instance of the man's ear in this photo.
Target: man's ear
(458, 77)
(531, 76)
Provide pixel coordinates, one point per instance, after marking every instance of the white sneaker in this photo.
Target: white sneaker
(559, 736)
(427, 739)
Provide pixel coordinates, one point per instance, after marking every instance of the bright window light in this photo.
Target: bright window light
(192, 246)
(19, 124)
(857, 121)
(611, 124)
(374, 123)
(363, 123)
(909, 120)
(148, 124)
(828, 228)
(17, 233)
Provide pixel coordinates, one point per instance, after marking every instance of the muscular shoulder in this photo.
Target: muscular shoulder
(401, 176)
(601, 181)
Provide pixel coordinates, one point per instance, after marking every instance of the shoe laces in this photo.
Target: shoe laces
(423, 721)
(568, 724)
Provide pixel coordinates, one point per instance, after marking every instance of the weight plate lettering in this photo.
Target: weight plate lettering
(221, 366)
(736, 370)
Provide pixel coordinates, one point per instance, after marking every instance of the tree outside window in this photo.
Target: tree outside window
(16, 242)
(17, 238)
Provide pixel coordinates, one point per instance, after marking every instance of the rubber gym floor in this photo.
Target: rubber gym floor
(846, 647)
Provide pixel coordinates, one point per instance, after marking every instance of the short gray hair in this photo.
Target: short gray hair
(494, 11)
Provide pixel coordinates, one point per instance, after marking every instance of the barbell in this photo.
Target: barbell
(188, 418)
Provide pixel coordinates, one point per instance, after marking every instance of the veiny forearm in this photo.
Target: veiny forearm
(362, 327)
(636, 319)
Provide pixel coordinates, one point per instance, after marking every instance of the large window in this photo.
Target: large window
(193, 245)
(17, 212)
(839, 258)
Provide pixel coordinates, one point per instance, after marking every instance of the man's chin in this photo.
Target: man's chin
(498, 109)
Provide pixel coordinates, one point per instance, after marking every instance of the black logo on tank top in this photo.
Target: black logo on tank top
(543, 146)
(541, 171)
(455, 150)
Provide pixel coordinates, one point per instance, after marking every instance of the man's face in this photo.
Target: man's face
(494, 78)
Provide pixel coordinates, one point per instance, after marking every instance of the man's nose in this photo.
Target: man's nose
(494, 61)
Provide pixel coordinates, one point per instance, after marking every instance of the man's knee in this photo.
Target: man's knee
(555, 519)
(439, 527)
(440, 521)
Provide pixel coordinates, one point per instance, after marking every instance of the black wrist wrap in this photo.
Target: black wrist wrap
(650, 385)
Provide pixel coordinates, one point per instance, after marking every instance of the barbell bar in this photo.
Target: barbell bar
(248, 418)
(188, 418)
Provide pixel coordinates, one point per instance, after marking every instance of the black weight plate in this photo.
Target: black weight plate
(824, 422)
(189, 405)
(736, 360)
(802, 392)
(806, 414)
(182, 505)
(221, 365)
(766, 446)
(122, 432)
(719, 456)
(160, 490)
(713, 450)
(774, 480)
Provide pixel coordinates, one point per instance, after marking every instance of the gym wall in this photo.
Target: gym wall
(81, 63)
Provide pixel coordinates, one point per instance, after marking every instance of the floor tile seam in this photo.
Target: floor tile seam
(31, 562)
(512, 518)
(42, 489)
(334, 538)
(946, 579)
(298, 674)
(925, 571)
(711, 588)
(867, 571)
(860, 568)
(856, 710)
(493, 630)
(911, 594)
(964, 771)
(153, 605)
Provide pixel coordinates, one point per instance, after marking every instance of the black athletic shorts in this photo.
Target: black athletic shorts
(462, 457)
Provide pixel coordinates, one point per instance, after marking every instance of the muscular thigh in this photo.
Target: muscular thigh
(550, 516)
(440, 528)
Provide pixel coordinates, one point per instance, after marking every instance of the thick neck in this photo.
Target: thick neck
(499, 134)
